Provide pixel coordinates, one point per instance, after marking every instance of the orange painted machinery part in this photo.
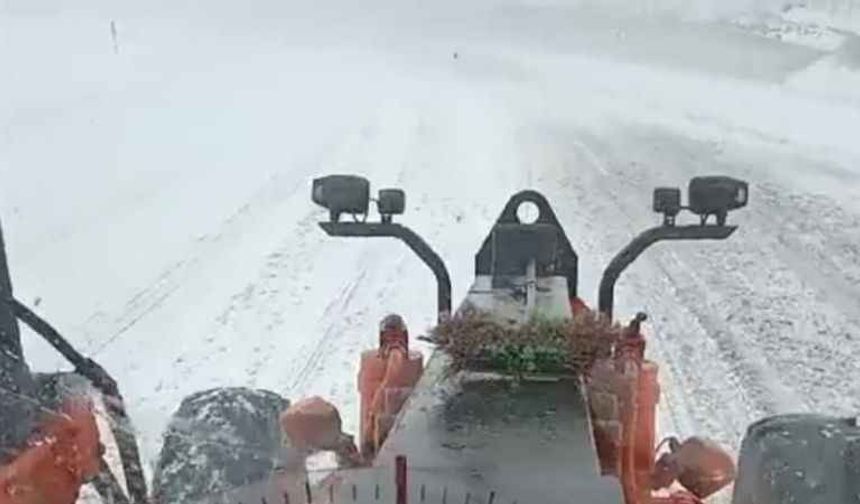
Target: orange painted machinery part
(578, 306)
(637, 414)
(623, 393)
(647, 398)
(700, 465)
(603, 389)
(629, 373)
(385, 380)
(64, 454)
(705, 468)
(313, 424)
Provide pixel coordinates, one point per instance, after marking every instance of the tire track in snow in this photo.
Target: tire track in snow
(333, 313)
(144, 302)
(156, 374)
(152, 297)
(831, 267)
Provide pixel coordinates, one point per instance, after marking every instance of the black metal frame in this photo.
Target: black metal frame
(606, 294)
(410, 238)
(18, 405)
(566, 260)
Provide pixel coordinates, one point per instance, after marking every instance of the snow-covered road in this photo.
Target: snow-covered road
(156, 201)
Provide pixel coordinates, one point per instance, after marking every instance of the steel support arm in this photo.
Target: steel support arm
(606, 296)
(415, 242)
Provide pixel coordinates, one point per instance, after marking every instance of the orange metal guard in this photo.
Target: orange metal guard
(57, 461)
(623, 391)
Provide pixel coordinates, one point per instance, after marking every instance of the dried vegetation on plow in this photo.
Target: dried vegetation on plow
(476, 340)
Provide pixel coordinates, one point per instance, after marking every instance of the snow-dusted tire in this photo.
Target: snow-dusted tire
(791, 459)
(218, 440)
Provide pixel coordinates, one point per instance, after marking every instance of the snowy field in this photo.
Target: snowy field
(155, 191)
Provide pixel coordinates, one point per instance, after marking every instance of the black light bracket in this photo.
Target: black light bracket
(389, 203)
(410, 238)
(713, 195)
(634, 249)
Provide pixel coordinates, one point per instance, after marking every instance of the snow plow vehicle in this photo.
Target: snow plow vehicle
(530, 397)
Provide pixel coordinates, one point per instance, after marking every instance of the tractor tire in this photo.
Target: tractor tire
(800, 459)
(219, 440)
